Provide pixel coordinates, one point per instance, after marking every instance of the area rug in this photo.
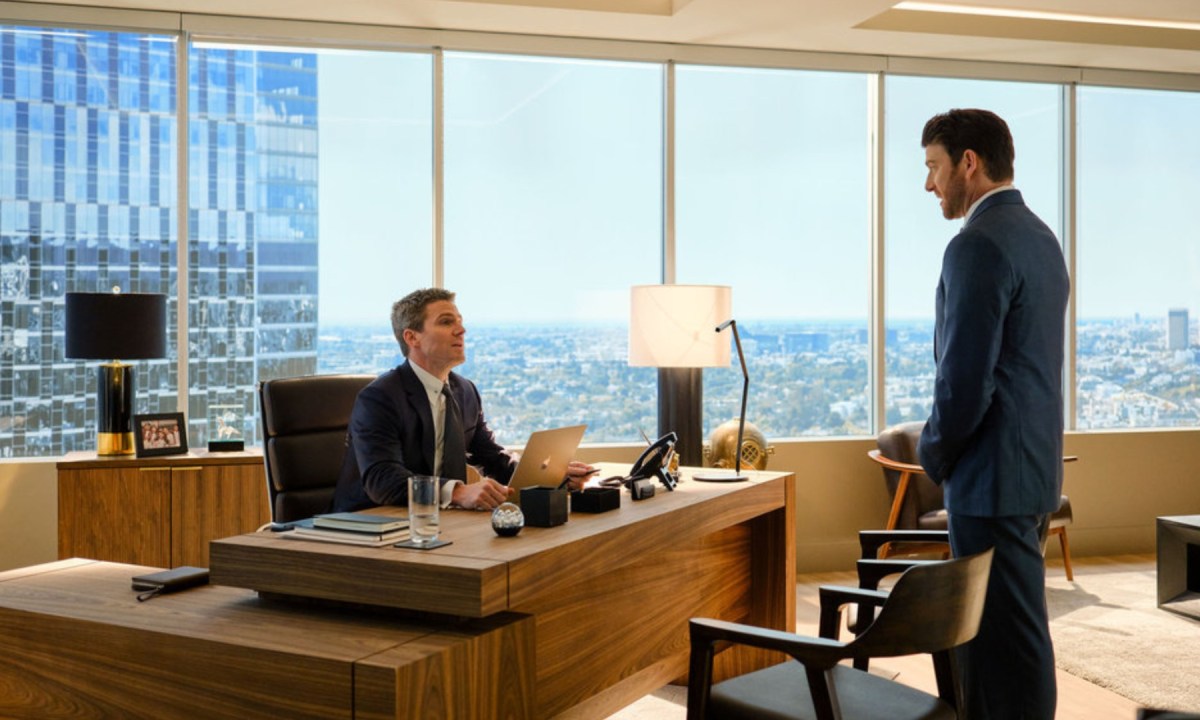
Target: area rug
(1107, 630)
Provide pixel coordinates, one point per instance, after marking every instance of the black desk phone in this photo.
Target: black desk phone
(650, 465)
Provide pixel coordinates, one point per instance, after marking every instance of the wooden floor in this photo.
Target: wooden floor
(1077, 699)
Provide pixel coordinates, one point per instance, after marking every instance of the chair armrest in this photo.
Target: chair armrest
(815, 651)
(817, 655)
(896, 465)
(871, 540)
(835, 597)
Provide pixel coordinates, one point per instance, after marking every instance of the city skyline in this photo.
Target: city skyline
(807, 379)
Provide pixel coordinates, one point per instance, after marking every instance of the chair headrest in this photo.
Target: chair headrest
(309, 404)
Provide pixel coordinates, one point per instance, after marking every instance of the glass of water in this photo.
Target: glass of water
(423, 509)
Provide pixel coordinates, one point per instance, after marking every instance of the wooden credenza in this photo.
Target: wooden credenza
(160, 512)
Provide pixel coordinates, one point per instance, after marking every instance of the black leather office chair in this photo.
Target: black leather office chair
(304, 422)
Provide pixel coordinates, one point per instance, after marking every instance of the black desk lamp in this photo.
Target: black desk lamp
(105, 326)
(722, 475)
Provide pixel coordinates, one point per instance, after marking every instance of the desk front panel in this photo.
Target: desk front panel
(612, 618)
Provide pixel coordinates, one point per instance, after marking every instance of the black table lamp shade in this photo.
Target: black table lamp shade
(109, 326)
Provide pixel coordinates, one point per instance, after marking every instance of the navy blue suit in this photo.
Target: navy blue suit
(391, 438)
(994, 439)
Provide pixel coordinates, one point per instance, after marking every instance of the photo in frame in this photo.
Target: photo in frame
(225, 423)
(160, 434)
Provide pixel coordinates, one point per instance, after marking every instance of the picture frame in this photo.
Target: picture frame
(225, 426)
(160, 434)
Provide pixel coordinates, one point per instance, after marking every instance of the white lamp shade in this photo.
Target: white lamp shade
(675, 325)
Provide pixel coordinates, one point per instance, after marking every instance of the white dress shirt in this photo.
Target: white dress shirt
(437, 406)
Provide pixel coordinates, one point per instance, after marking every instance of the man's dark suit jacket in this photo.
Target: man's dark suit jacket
(994, 437)
(391, 438)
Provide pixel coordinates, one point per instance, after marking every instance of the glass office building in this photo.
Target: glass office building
(88, 201)
(252, 225)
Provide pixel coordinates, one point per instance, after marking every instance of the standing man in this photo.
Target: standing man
(994, 436)
(422, 419)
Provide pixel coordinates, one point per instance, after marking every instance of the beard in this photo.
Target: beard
(954, 197)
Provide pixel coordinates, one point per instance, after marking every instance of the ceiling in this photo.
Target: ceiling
(853, 26)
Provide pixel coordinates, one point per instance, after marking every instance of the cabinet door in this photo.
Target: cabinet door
(117, 514)
(214, 501)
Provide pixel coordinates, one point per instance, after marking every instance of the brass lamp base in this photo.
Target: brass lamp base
(114, 443)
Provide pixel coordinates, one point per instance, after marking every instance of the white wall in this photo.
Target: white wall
(28, 513)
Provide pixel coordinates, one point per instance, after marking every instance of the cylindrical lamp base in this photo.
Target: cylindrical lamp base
(680, 409)
(115, 388)
(115, 444)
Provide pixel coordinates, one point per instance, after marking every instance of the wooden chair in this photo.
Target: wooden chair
(304, 421)
(933, 608)
(917, 502)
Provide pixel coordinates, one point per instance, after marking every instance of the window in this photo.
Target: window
(84, 160)
(553, 210)
(1138, 358)
(773, 198)
(311, 189)
(310, 209)
(916, 235)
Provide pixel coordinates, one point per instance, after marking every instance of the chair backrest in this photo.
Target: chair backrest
(899, 442)
(933, 607)
(304, 423)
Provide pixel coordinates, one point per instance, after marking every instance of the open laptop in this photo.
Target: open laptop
(546, 455)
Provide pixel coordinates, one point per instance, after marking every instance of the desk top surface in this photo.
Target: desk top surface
(486, 573)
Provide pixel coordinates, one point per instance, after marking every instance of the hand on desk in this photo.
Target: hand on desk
(483, 495)
(577, 474)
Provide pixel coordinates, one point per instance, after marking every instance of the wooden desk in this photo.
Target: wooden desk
(159, 511)
(78, 644)
(611, 593)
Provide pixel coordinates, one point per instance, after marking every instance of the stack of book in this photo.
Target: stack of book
(353, 528)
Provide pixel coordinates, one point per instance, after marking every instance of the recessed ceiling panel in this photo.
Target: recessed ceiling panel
(639, 7)
(948, 22)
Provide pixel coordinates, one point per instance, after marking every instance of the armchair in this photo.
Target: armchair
(933, 608)
(917, 502)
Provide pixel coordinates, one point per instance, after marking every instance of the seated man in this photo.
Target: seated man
(422, 419)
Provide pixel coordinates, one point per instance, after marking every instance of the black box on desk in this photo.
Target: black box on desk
(226, 445)
(596, 500)
(544, 506)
